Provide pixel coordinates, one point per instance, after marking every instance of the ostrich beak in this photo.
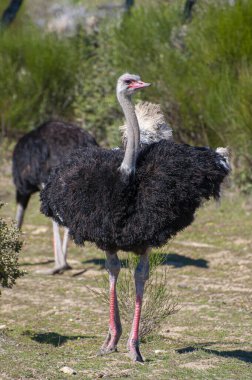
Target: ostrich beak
(139, 84)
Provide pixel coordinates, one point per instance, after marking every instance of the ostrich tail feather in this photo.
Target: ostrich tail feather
(225, 157)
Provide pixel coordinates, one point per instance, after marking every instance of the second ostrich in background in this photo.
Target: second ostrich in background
(131, 200)
(34, 157)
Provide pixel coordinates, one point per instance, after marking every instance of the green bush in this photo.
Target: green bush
(122, 46)
(201, 72)
(95, 102)
(219, 52)
(38, 75)
(10, 246)
(141, 43)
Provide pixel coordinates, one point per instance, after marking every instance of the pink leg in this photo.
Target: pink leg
(115, 329)
(141, 275)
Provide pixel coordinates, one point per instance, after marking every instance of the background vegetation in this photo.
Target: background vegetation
(201, 73)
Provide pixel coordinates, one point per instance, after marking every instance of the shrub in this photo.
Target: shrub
(95, 102)
(158, 301)
(201, 71)
(38, 74)
(201, 74)
(122, 46)
(10, 246)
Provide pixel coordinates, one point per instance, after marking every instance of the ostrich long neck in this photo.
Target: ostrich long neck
(128, 164)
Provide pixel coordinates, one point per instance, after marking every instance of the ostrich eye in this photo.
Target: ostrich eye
(128, 81)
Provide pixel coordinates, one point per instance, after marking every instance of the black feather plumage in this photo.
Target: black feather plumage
(89, 196)
(38, 151)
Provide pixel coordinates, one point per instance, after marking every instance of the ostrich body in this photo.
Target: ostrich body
(34, 156)
(131, 200)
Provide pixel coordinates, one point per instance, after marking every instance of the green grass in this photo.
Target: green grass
(51, 322)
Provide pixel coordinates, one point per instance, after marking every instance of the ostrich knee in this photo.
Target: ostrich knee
(142, 270)
(113, 267)
(141, 276)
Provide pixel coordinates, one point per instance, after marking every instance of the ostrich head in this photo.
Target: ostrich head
(128, 84)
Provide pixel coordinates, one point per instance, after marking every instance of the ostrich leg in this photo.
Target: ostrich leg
(60, 252)
(22, 202)
(19, 215)
(113, 266)
(64, 249)
(141, 275)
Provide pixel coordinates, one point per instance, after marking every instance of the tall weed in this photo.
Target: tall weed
(158, 302)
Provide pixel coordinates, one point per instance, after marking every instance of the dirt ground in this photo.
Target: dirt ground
(47, 323)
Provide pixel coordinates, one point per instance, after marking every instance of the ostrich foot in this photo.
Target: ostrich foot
(56, 270)
(110, 343)
(107, 350)
(134, 351)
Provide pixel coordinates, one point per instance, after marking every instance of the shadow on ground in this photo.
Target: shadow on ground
(55, 339)
(178, 261)
(101, 262)
(245, 356)
(171, 259)
(36, 264)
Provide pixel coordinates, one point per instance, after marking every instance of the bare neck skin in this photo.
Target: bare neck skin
(128, 164)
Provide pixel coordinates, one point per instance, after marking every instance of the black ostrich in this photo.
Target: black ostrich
(131, 200)
(34, 156)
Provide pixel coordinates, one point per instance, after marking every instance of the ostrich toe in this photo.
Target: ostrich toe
(134, 352)
(110, 343)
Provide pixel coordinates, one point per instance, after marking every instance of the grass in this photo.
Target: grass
(50, 322)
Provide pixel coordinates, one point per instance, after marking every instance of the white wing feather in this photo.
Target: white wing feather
(152, 124)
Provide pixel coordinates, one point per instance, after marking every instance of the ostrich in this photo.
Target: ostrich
(131, 200)
(45, 147)
(34, 156)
